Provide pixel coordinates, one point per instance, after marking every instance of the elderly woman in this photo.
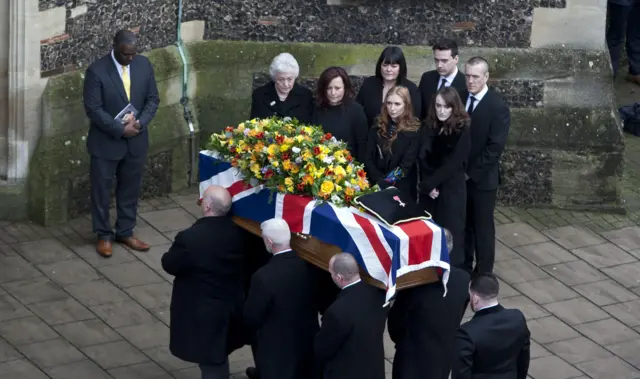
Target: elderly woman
(282, 96)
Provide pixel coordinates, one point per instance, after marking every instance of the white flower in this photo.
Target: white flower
(328, 160)
(299, 160)
(295, 149)
(335, 198)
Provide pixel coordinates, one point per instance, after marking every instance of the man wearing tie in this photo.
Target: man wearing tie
(445, 56)
(490, 121)
(118, 148)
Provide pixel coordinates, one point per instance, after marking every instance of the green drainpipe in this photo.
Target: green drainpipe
(184, 100)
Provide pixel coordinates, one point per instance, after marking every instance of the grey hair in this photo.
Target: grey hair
(219, 207)
(479, 60)
(345, 265)
(277, 230)
(284, 62)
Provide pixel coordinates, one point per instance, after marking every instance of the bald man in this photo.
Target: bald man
(207, 261)
(349, 344)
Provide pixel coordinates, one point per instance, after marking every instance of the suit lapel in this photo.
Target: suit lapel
(116, 78)
(135, 76)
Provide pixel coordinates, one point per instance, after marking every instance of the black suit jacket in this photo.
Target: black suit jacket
(370, 97)
(280, 309)
(349, 344)
(104, 97)
(207, 261)
(494, 344)
(422, 324)
(429, 86)
(490, 123)
(265, 103)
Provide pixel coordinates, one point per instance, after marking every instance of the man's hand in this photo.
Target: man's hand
(434, 193)
(130, 128)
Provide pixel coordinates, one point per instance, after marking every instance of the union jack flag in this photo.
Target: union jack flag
(385, 252)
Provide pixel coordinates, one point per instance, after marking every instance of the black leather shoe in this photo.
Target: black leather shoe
(252, 373)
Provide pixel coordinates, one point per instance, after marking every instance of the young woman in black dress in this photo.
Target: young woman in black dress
(394, 142)
(443, 161)
(338, 114)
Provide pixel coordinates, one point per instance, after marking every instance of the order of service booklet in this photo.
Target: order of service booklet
(124, 113)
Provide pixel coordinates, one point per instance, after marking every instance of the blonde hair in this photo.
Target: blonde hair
(406, 123)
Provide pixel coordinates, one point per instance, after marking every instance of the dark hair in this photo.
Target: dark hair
(478, 60)
(406, 123)
(323, 82)
(459, 118)
(485, 285)
(125, 37)
(392, 55)
(446, 44)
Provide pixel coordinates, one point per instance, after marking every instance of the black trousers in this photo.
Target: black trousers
(623, 22)
(480, 230)
(127, 174)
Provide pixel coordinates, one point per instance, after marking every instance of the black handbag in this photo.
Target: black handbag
(392, 206)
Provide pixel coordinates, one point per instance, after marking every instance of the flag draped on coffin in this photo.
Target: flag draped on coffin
(385, 252)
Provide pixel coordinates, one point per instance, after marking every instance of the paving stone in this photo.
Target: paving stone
(51, 353)
(550, 329)
(47, 250)
(124, 313)
(35, 290)
(147, 370)
(115, 354)
(26, 330)
(61, 311)
(69, 272)
(578, 350)
(169, 219)
(96, 292)
(537, 351)
(605, 292)
(164, 314)
(87, 333)
(626, 238)
(605, 255)
(7, 250)
(518, 270)
(628, 313)
(146, 336)
(151, 236)
(78, 370)
(16, 268)
(545, 291)
(240, 359)
(552, 367)
(171, 235)
(573, 273)
(20, 369)
(153, 259)
(572, 237)
(627, 351)
(7, 352)
(163, 357)
(89, 254)
(10, 308)
(627, 274)
(503, 252)
(506, 290)
(156, 295)
(608, 331)
(530, 309)
(130, 274)
(545, 253)
(518, 234)
(612, 367)
(576, 311)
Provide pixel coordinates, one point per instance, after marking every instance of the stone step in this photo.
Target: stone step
(13, 201)
(577, 27)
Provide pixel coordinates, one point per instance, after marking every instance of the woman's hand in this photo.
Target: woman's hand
(434, 193)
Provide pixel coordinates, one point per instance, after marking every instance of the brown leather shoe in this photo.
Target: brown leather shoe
(133, 243)
(103, 247)
(634, 79)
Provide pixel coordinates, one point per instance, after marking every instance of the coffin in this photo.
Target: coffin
(319, 253)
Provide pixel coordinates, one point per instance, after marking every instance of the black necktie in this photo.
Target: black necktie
(471, 101)
(443, 83)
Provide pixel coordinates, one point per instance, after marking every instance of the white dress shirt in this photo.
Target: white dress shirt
(119, 67)
(283, 251)
(449, 79)
(478, 97)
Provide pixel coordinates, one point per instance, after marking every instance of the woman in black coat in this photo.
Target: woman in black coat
(394, 142)
(391, 71)
(338, 114)
(282, 96)
(443, 161)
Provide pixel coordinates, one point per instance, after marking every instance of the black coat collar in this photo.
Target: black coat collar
(488, 311)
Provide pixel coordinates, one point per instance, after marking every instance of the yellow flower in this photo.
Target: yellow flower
(307, 155)
(349, 169)
(338, 188)
(339, 171)
(255, 168)
(231, 142)
(288, 182)
(286, 165)
(284, 148)
(321, 157)
(349, 191)
(309, 130)
(290, 189)
(327, 187)
(299, 139)
(241, 128)
(289, 141)
(273, 149)
(325, 149)
(275, 163)
(295, 169)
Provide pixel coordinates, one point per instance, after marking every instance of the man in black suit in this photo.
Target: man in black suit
(280, 310)
(490, 122)
(349, 344)
(207, 261)
(118, 148)
(495, 342)
(445, 56)
(423, 323)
